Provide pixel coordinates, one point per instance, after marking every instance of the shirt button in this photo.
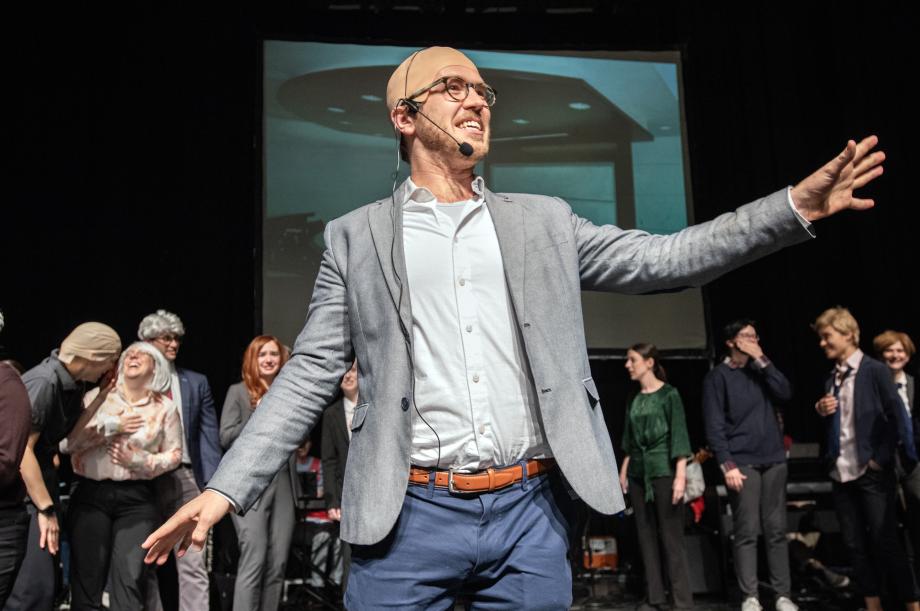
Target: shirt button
(462, 281)
(482, 429)
(475, 377)
(469, 328)
(404, 404)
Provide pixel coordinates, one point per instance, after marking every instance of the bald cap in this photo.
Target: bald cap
(422, 68)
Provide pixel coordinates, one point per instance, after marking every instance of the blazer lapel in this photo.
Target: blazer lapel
(911, 390)
(508, 219)
(386, 231)
(186, 390)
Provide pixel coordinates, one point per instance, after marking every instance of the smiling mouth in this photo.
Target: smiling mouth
(471, 125)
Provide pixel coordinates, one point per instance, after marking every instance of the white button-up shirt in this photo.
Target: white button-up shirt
(473, 387)
(847, 467)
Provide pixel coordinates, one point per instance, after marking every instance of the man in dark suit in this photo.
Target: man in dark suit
(200, 449)
(865, 418)
(337, 421)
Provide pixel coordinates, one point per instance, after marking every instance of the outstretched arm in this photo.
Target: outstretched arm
(634, 261)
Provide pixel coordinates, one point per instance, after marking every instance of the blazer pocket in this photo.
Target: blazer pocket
(360, 414)
(591, 389)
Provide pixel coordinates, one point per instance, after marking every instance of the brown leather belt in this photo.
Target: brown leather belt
(481, 481)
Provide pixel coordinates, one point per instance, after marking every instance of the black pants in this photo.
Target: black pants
(108, 521)
(14, 531)
(866, 510)
(661, 518)
(37, 582)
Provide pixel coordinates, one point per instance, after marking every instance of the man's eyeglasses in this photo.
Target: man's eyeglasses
(457, 90)
(749, 336)
(168, 339)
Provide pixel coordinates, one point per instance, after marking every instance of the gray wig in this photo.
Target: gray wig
(160, 323)
(162, 377)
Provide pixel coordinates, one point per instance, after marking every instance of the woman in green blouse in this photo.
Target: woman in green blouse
(656, 448)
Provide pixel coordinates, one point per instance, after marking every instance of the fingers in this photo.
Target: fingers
(867, 163)
(158, 553)
(867, 177)
(861, 204)
(53, 542)
(836, 165)
(173, 528)
(865, 145)
(200, 536)
(184, 544)
(43, 536)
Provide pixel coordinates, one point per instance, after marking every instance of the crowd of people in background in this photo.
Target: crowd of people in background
(142, 436)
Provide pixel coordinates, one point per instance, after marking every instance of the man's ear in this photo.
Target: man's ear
(403, 120)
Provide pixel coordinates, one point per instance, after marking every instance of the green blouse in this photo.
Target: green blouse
(655, 435)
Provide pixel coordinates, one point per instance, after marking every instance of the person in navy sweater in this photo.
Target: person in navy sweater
(864, 419)
(744, 430)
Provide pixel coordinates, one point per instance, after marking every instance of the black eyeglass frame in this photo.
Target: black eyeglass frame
(484, 94)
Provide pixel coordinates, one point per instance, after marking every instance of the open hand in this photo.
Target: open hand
(830, 189)
(188, 527)
(734, 479)
(121, 454)
(130, 423)
(749, 347)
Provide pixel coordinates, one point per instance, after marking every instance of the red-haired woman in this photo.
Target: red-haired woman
(265, 531)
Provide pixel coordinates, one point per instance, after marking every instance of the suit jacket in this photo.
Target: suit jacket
(199, 419)
(914, 411)
(361, 308)
(879, 417)
(235, 416)
(335, 453)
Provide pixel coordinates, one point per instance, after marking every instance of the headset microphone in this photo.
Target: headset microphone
(466, 149)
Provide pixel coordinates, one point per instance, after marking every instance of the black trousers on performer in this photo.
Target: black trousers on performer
(108, 521)
(866, 510)
(14, 531)
(662, 519)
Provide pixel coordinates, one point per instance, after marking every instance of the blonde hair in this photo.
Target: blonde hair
(887, 338)
(839, 319)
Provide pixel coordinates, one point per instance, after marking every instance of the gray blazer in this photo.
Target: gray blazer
(361, 308)
(233, 420)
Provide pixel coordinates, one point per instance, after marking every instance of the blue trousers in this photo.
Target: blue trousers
(500, 550)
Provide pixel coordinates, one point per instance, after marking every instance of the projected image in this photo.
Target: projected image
(602, 131)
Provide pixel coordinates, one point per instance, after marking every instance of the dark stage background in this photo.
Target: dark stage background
(134, 181)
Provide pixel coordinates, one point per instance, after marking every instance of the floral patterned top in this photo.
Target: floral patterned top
(155, 448)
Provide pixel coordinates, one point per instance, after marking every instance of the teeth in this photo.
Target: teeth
(474, 124)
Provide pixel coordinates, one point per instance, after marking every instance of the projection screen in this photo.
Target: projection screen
(602, 130)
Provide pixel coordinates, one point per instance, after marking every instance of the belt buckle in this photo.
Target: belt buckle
(450, 483)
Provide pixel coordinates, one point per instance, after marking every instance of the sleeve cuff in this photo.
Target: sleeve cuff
(233, 504)
(761, 363)
(727, 466)
(806, 224)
